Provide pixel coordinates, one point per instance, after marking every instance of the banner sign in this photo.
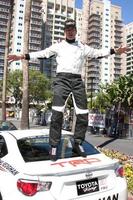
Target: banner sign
(97, 120)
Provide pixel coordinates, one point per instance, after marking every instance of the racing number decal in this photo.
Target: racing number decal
(4, 166)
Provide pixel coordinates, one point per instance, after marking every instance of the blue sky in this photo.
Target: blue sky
(127, 8)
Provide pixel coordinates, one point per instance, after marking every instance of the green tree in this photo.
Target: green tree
(39, 86)
(14, 85)
(118, 94)
(121, 92)
(101, 101)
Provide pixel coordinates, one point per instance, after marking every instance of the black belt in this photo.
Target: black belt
(69, 75)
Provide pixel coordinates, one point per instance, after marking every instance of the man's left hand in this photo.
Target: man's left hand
(121, 50)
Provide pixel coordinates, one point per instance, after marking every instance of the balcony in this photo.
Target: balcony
(37, 29)
(3, 16)
(34, 22)
(35, 10)
(92, 75)
(94, 25)
(35, 42)
(2, 44)
(93, 35)
(36, 4)
(94, 16)
(94, 40)
(4, 10)
(93, 30)
(37, 17)
(118, 23)
(5, 3)
(118, 30)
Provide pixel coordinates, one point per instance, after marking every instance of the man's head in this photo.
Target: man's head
(70, 29)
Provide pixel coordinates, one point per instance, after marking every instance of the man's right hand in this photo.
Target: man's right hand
(13, 57)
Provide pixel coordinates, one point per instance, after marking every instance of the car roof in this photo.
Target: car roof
(18, 134)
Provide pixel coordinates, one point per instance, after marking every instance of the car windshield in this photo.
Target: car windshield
(37, 148)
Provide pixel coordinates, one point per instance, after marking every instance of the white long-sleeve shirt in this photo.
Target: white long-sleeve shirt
(70, 57)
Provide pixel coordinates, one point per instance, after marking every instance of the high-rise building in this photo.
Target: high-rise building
(46, 27)
(104, 30)
(56, 12)
(4, 14)
(17, 31)
(129, 42)
(78, 18)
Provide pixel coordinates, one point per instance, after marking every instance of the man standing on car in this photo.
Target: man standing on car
(70, 56)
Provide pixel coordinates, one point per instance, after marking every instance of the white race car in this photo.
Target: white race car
(27, 173)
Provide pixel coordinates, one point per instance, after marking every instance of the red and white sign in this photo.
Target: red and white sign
(97, 120)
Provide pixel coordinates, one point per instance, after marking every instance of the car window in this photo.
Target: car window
(12, 126)
(66, 148)
(3, 147)
(6, 125)
(34, 148)
(37, 148)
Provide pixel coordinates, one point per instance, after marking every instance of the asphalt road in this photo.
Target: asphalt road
(124, 145)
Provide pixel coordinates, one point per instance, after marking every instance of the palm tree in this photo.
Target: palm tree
(121, 92)
(5, 61)
(118, 94)
(25, 99)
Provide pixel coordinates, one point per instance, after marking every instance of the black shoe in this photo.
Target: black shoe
(79, 150)
(53, 153)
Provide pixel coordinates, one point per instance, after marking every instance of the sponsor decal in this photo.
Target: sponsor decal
(87, 186)
(103, 184)
(76, 162)
(4, 166)
(112, 197)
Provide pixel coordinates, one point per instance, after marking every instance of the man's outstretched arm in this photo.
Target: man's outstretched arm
(13, 57)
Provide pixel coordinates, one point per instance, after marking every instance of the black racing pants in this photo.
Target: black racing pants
(64, 85)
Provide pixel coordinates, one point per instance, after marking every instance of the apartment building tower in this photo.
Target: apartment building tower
(104, 30)
(78, 17)
(17, 31)
(56, 12)
(4, 14)
(46, 27)
(129, 42)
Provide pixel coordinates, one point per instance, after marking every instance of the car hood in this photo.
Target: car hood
(69, 165)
